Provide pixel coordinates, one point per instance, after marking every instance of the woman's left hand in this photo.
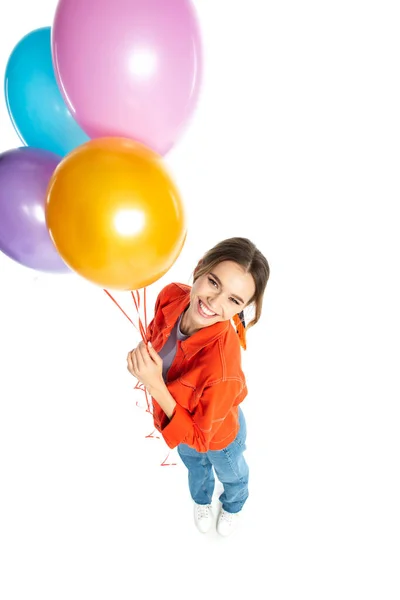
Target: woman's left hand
(146, 365)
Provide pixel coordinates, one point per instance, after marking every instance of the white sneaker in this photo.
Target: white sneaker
(202, 517)
(227, 522)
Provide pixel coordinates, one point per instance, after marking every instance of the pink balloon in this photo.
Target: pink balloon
(129, 68)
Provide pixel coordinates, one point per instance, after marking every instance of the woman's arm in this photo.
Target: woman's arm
(146, 365)
(194, 429)
(162, 396)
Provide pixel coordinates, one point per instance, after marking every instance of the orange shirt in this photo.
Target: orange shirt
(205, 379)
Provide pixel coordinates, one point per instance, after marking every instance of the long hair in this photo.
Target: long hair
(243, 252)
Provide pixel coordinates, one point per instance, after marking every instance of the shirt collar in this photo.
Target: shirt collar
(201, 338)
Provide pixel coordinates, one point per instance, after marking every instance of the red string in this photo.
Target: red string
(140, 386)
(153, 436)
(165, 464)
(114, 300)
(143, 333)
(145, 308)
(137, 305)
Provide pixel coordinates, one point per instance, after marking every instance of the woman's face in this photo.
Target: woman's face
(218, 296)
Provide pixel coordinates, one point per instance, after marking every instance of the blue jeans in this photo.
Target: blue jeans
(230, 468)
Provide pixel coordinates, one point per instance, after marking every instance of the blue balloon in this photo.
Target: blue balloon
(35, 104)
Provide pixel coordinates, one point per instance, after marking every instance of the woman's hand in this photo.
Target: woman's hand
(146, 365)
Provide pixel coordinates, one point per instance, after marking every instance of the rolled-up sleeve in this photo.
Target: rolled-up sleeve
(197, 429)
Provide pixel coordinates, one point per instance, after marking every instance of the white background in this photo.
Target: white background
(296, 144)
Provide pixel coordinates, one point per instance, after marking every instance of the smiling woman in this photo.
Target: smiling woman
(218, 296)
(192, 370)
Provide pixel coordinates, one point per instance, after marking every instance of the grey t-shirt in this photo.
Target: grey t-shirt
(168, 351)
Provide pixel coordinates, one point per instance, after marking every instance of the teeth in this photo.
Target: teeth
(205, 310)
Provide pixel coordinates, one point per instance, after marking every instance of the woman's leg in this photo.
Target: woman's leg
(200, 474)
(232, 470)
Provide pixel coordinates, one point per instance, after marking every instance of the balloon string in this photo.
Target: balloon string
(142, 330)
(121, 309)
(145, 308)
(165, 464)
(137, 305)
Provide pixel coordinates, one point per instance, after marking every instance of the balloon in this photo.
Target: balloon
(114, 214)
(129, 68)
(24, 237)
(34, 101)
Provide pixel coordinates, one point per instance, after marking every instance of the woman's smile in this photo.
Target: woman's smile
(205, 311)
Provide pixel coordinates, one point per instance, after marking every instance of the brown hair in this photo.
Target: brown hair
(243, 252)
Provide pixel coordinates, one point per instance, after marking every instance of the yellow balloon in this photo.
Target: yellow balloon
(114, 214)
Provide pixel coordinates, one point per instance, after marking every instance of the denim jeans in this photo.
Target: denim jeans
(229, 466)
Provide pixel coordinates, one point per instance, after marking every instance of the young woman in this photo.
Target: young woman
(191, 367)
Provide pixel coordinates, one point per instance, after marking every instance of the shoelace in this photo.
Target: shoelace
(228, 517)
(203, 511)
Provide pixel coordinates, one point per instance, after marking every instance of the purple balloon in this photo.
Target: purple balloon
(24, 237)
